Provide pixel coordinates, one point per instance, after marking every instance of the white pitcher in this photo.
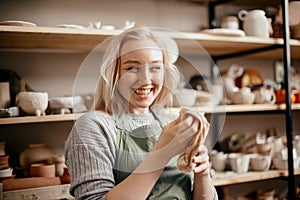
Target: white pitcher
(255, 23)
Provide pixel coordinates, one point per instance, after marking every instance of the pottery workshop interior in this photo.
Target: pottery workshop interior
(238, 63)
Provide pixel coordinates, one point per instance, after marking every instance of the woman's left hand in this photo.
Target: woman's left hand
(201, 160)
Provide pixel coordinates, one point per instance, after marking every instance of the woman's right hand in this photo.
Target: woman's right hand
(177, 135)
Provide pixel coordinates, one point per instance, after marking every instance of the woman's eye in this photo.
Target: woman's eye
(156, 67)
(133, 68)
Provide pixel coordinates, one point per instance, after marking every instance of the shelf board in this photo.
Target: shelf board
(48, 192)
(251, 108)
(40, 119)
(240, 108)
(229, 178)
(77, 40)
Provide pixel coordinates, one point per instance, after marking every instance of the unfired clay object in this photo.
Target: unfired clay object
(184, 161)
(33, 103)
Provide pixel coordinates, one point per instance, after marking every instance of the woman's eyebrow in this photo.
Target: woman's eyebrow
(139, 63)
(132, 62)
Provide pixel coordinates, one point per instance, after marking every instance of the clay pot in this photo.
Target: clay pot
(42, 170)
(33, 103)
(35, 153)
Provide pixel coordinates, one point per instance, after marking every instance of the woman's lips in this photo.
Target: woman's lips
(143, 91)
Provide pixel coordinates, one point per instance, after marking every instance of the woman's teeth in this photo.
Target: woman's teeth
(143, 91)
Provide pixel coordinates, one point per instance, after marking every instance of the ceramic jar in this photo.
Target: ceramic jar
(35, 153)
(255, 23)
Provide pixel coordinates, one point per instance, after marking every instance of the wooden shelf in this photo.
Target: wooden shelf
(239, 108)
(206, 109)
(229, 177)
(39, 119)
(49, 192)
(16, 38)
(248, 108)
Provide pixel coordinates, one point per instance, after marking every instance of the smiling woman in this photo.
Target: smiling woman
(124, 149)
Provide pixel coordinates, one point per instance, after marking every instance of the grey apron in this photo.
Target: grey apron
(132, 148)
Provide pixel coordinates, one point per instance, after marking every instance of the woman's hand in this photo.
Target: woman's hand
(177, 135)
(201, 160)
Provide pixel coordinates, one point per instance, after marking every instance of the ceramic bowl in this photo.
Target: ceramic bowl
(76, 103)
(33, 103)
(260, 162)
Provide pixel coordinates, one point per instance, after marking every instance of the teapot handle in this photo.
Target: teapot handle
(273, 98)
(243, 15)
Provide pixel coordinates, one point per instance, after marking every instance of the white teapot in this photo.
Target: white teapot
(264, 95)
(255, 23)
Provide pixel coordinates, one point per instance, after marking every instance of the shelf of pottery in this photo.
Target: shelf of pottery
(252, 157)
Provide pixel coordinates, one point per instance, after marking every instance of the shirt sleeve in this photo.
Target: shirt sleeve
(90, 155)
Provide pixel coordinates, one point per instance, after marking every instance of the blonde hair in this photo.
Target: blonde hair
(107, 97)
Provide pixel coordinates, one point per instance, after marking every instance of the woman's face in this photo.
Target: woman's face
(141, 74)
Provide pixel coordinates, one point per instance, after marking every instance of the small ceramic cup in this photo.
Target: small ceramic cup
(219, 161)
(42, 170)
(239, 162)
(260, 162)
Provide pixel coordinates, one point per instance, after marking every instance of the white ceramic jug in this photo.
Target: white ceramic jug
(255, 23)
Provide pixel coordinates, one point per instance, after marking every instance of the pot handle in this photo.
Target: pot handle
(243, 15)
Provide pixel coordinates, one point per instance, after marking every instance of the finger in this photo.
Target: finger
(186, 123)
(202, 168)
(199, 159)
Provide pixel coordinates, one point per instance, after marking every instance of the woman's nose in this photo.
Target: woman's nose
(145, 74)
